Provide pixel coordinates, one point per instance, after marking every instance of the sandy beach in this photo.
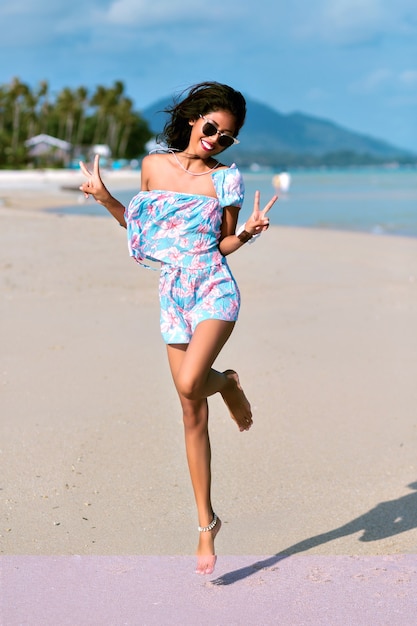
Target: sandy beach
(93, 460)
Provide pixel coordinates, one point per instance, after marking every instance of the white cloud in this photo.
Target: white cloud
(30, 24)
(373, 81)
(350, 22)
(145, 13)
(139, 12)
(353, 18)
(387, 81)
(408, 78)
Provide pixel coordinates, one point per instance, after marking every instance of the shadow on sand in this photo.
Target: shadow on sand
(385, 520)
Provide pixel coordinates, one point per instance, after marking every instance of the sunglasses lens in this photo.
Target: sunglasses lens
(225, 141)
(209, 129)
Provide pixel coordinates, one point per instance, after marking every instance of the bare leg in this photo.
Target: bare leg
(195, 380)
(197, 443)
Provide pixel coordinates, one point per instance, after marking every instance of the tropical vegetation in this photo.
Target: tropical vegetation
(107, 116)
(82, 118)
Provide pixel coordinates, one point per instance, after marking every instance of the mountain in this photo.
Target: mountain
(270, 137)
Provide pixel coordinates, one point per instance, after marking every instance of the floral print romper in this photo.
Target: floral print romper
(182, 232)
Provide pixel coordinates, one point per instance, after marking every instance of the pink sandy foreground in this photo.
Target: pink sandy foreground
(247, 590)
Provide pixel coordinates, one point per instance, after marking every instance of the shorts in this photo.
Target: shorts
(188, 297)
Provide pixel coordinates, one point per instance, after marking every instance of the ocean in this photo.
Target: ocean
(382, 201)
(377, 200)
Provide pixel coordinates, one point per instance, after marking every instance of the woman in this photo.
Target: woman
(185, 217)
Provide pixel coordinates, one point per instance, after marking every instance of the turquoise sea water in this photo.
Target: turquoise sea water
(374, 200)
(380, 201)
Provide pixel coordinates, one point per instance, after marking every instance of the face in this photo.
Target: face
(211, 131)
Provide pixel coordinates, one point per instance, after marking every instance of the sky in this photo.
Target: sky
(353, 62)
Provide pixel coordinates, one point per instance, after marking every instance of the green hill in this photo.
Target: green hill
(273, 138)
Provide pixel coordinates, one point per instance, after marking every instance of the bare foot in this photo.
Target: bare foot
(206, 559)
(236, 401)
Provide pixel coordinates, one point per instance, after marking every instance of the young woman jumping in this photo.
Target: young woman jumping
(185, 217)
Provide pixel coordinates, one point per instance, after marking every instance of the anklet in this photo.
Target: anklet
(205, 529)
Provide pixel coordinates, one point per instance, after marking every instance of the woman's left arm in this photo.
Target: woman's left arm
(255, 225)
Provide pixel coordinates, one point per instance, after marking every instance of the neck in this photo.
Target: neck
(189, 158)
(192, 158)
(189, 155)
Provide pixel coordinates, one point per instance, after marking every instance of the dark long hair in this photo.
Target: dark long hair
(200, 99)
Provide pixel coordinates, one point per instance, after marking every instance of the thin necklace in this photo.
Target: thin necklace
(188, 171)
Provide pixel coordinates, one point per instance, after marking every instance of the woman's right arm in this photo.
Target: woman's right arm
(95, 187)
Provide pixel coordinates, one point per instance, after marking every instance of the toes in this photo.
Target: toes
(205, 565)
(246, 426)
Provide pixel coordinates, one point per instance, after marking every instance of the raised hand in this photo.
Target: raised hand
(258, 222)
(94, 186)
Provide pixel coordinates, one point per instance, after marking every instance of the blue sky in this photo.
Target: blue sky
(351, 61)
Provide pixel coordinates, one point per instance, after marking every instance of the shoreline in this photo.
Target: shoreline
(56, 191)
(37, 190)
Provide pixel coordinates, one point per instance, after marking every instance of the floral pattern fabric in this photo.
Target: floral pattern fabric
(188, 297)
(182, 229)
(182, 232)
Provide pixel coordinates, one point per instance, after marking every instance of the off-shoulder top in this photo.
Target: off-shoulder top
(182, 229)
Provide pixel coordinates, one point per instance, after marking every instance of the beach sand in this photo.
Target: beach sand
(92, 451)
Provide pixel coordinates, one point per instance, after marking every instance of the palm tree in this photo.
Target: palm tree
(126, 120)
(43, 106)
(106, 117)
(3, 108)
(31, 114)
(18, 93)
(107, 101)
(67, 108)
(82, 103)
(99, 100)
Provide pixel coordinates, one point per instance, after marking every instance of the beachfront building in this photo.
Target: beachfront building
(47, 149)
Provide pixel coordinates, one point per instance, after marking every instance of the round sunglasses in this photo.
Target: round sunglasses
(209, 129)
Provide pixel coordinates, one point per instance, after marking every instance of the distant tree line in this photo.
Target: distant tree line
(105, 116)
(293, 160)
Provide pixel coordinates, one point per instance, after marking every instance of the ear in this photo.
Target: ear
(191, 122)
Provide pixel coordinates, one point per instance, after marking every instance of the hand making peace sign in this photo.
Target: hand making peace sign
(258, 222)
(94, 186)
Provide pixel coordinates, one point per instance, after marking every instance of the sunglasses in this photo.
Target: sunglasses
(209, 129)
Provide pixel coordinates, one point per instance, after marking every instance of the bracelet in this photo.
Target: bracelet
(244, 236)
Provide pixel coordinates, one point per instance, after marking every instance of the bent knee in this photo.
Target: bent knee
(189, 388)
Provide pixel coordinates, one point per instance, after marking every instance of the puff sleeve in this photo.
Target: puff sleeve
(229, 186)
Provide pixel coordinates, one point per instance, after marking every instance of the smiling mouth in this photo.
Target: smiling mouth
(207, 145)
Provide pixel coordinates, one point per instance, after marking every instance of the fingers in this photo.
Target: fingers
(96, 165)
(84, 170)
(89, 186)
(85, 186)
(259, 220)
(256, 201)
(269, 205)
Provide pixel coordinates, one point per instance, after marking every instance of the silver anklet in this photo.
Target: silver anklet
(205, 529)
